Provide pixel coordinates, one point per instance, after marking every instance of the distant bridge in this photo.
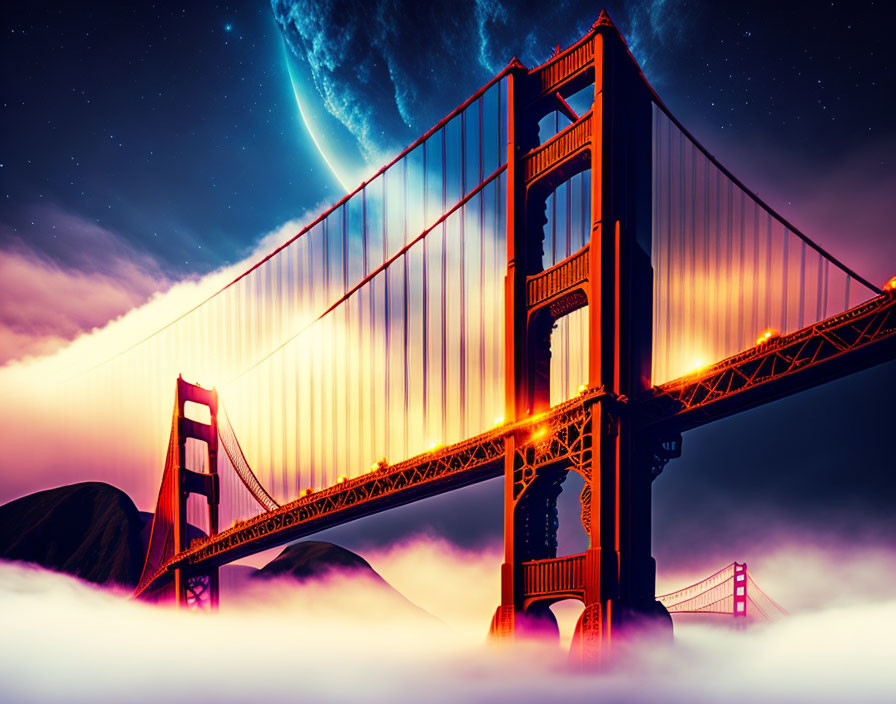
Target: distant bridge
(731, 591)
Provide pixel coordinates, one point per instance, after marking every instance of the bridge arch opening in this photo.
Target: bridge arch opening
(199, 412)
(567, 218)
(567, 613)
(571, 536)
(569, 355)
(561, 115)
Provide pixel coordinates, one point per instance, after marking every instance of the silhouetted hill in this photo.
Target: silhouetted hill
(94, 531)
(91, 530)
(312, 559)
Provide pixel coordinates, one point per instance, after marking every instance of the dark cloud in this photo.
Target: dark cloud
(390, 70)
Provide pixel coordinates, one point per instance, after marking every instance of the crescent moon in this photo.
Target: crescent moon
(311, 133)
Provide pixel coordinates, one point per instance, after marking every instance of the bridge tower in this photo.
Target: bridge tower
(168, 536)
(615, 577)
(740, 590)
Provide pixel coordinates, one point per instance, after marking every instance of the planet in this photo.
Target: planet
(370, 77)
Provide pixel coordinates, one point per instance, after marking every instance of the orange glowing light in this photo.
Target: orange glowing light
(305, 492)
(582, 388)
(340, 480)
(890, 285)
(435, 445)
(499, 421)
(697, 365)
(539, 433)
(766, 336)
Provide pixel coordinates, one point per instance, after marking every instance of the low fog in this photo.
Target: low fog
(340, 638)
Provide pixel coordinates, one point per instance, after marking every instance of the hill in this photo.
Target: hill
(90, 530)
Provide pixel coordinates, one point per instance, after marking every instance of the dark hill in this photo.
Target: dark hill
(94, 531)
(311, 559)
(91, 530)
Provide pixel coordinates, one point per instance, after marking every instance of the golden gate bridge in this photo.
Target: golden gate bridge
(731, 591)
(556, 277)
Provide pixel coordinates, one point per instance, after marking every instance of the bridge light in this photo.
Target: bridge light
(539, 433)
(379, 464)
(340, 479)
(890, 285)
(434, 445)
(583, 388)
(306, 492)
(766, 336)
(697, 365)
(499, 421)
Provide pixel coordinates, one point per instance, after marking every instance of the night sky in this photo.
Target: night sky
(145, 143)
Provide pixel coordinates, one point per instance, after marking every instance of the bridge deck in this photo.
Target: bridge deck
(846, 343)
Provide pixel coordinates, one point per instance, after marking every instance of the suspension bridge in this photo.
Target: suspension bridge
(556, 277)
(731, 591)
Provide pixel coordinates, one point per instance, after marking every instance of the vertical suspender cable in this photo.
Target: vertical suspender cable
(427, 431)
(405, 308)
(784, 327)
(480, 382)
(388, 418)
(443, 285)
(802, 298)
(462, 213)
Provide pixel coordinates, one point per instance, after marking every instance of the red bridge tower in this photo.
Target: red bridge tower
(615, 577)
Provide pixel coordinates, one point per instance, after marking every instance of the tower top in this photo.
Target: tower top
(603, 20)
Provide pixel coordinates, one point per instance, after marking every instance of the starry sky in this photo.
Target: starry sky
(167, 139)
(147, 143)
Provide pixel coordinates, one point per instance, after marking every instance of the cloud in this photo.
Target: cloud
(93, 278)
(41, 427)
(387, 71)
(340, 639)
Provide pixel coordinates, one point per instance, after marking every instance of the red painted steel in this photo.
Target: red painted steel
(559, 280)
(740, 590)
(168, 534)
(559, 150)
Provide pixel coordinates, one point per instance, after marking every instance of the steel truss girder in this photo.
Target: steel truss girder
(467, 462)
(856, 339)
(562, 435)
(455, 466)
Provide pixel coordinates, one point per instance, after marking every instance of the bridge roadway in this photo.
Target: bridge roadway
(856, 339)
